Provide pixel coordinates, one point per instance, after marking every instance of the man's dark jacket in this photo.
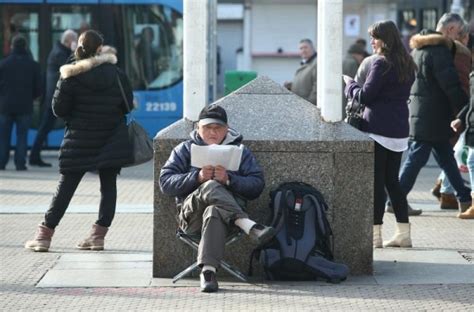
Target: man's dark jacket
(20, 83)
(178, 178)
(469, 118)
(436, 96)
(57, 57)
(89, 100)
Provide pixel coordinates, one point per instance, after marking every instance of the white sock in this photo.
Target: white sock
(208, 268)
(245, 224)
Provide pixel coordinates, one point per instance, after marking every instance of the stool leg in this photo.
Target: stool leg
(233, 271)
(185, 272)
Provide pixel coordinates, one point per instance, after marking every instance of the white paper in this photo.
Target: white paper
(228, 156)
(352, 25)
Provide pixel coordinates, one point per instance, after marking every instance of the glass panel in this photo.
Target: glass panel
(19, 20)
(73, 17)
(155, 46)
(429, 18)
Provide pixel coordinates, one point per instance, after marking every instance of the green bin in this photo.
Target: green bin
(235, 79)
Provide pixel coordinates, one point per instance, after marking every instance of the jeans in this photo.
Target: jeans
(387, 166)
(22, 123)
(67, 186)
(418, 154)
(47, 123)
(446, 187)
(470, 164)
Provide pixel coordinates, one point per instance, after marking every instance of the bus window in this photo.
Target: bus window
(154, 46)
(23, 20)
(75, 17)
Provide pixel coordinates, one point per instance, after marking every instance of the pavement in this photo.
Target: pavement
(436, 275)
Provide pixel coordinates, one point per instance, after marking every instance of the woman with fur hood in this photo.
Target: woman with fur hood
(89, 99)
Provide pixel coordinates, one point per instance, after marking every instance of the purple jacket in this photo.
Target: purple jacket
(385, 98)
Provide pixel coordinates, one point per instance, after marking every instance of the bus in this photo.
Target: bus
(148, 35)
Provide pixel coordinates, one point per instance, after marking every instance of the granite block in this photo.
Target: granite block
(291, 143)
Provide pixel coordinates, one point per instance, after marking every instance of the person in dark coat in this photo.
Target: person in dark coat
(210, 199)
(385, 94)
(436, 97)
(19, 85)
(58, 56)
(89, 99)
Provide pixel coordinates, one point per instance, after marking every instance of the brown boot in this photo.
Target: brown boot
(42, 239)
(436, 190)
(95, 241)
(448, 201)
(468, 214)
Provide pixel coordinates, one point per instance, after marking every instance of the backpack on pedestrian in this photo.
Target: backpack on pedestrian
(302, 249)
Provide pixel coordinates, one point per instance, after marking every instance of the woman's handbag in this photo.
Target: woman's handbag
(355, 111)
(139, 141)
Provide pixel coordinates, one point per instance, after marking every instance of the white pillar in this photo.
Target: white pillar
(195, 62)
(247, 36)
(329, 50)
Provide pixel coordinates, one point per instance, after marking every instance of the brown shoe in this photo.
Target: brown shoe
(436, 190)
(468, 214)
(42, 239)
(448, 201)
(95, 241)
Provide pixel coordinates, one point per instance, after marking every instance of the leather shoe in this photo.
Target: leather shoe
(411, 211)
(261, 233)
(208, 281)
(39, 163)
(21, 168)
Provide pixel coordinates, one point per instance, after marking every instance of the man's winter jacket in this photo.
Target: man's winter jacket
(436, 96)
(178, 178)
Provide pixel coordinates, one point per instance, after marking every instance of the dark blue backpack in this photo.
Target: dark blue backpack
(302, 249)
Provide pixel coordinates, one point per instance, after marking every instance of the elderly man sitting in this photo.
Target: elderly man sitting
(210, 198)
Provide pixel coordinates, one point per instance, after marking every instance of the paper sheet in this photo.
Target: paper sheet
(228, 156)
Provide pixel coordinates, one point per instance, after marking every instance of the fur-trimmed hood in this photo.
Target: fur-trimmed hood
(82, 66)
(433, 39)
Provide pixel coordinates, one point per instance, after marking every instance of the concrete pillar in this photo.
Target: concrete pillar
(330, 49)
(247, 36)
(195, 57)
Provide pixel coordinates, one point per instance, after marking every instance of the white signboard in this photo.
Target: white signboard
(352, 25)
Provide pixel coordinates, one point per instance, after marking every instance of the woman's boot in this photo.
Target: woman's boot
(402, 237)
(95, 241)
(42, 239)
(377, 241)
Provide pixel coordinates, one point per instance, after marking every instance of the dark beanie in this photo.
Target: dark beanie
(19, 42)
(356, 49)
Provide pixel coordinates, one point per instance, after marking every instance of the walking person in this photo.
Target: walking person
(385, 94)
(58, 56)
(436, 98)
(20, 84)
(89, 99)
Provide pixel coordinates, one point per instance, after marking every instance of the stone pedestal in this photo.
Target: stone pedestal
(291, 143)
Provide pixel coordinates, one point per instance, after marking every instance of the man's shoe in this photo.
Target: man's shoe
(411, 211)
(21, 168)
(436, 190)
(261, 234)
(39, 163)
(448, 201)
(468, 214)
(208, 281)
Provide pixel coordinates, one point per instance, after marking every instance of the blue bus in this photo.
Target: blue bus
(148, 35)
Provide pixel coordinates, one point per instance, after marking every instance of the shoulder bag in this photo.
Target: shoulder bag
(355, 111)
(139, 141)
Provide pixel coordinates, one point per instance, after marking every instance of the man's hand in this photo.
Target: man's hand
(205, 174)
(220, 175)
(456, 124)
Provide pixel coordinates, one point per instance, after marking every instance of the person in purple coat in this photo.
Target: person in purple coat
(385, 93)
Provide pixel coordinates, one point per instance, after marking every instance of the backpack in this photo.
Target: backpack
(302, 249)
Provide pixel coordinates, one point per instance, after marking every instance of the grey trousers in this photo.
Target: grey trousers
(211, 209)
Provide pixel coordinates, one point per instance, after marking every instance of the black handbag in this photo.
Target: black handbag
(355, 111)
(138, 139)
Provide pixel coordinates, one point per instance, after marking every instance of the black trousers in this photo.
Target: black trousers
(67, 186)
(387, 166)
